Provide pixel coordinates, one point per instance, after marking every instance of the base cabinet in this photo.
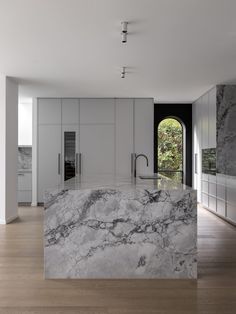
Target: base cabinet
(24, 187)
(221, 196)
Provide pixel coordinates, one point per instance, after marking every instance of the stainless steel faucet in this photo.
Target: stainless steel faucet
(135, 163)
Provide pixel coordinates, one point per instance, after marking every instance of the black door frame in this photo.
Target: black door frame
(183, 113)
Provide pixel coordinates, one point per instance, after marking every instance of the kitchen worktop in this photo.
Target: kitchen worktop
(116, 182)
(110, 227)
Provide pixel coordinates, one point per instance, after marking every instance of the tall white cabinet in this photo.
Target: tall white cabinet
(97, 145)
(204, 136)
(103, 133)
(143, 134)
(49, 144)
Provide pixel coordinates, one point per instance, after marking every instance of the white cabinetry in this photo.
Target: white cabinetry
(49, 111)
(70, 111)
(143, 134)
(205, 121)
(97, 111)
(197, 140)
(49, 158)
(97, 149)
(212, 118)
(216, 193)
(124, 135)
(24, 187)
(97, 132)
(204, 136)
(104, 132)
(231, 198)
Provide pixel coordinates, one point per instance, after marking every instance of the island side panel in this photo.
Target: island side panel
(109, 233)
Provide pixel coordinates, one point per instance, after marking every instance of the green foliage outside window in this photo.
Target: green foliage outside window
(170, 147)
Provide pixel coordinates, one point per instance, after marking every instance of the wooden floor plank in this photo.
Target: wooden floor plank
(24, 290)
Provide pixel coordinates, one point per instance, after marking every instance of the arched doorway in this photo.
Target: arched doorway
(182, 116)
(170, 149)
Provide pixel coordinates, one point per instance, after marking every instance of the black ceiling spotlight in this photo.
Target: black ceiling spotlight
(124, 31)
(123, 72)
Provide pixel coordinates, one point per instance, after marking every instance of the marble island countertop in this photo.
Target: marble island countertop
(118, 183)
(108, 227)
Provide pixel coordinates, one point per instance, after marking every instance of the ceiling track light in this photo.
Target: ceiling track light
(124, 31)
(123, 72)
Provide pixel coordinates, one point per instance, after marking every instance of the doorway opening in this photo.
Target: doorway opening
(173, 141)
(170, 149)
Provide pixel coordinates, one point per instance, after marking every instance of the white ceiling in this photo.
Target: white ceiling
(176, 49)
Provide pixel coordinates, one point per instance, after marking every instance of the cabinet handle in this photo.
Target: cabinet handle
(20, 174)
(59, 163)
(133, 155)
(195, 164)
(76, 163)
(80, 163)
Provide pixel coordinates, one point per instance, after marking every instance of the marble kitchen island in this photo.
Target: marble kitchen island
(110, 227)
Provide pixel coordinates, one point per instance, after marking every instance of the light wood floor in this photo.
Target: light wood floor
(23, 289)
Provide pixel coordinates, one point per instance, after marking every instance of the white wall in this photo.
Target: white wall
(8, 146)
(25, 124)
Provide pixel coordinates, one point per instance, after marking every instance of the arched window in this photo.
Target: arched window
(170, 150)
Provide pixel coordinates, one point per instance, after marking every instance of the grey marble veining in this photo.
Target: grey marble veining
(24, 158)
(226, 129)
(121, 231)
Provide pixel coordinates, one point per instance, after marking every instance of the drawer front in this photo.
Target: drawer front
(221, 205)
(212, 178)
(221, 191)
(231, 212)
(205, 176)
(231, 194)
(205, 200)
(204, 187)
(221, 179)
(212, 189)
(24, 181)
(212, 203)
(24, 197)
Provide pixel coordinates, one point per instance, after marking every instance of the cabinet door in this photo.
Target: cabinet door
(97, 147)
(49, 111)
(143, 126)
(49, 158)
(212, 118)
(195, 146)
(124, 135)
(205, 114)
(24, 181)
(70, 111)
(70, 151)
(199, 147)
(97, 111)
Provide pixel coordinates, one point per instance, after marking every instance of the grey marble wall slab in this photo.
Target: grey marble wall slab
(24, 158)
(109, 233)
(226, 129)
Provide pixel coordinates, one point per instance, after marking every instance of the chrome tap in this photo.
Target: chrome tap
(135, 163)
